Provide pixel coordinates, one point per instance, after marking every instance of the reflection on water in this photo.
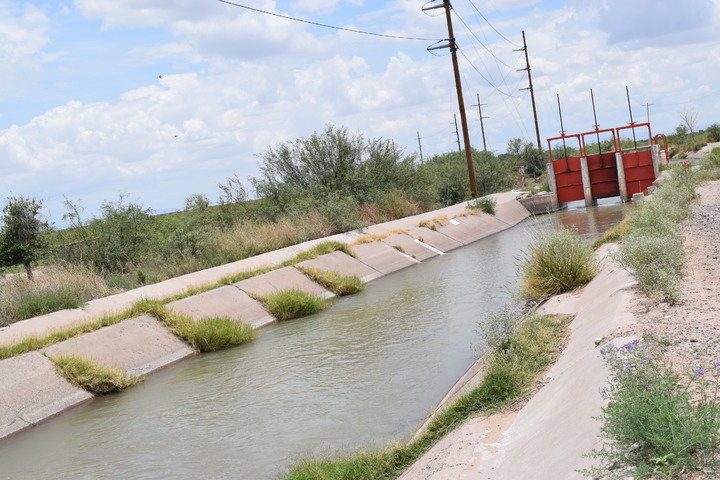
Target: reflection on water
(365, 372)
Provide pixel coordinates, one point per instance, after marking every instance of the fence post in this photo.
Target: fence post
(655, 149)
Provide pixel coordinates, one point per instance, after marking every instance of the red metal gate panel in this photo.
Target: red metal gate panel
(639, 171)
(568, 178)
(603, 175)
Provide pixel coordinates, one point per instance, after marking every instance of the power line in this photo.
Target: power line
(287, 17)
(484, 77)
(492, 26)
(480, 42)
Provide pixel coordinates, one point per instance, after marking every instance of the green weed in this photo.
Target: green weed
(556, 262)
(338, 284)
(656, 424)
(289, 304)
(91, 376)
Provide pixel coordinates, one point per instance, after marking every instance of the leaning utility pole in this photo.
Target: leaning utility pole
(458, 86)
(482, 127)
(532, 92)
(420, 146)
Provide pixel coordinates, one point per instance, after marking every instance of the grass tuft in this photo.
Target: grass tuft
(91, 376)
(214, 333)
(289, 304)
(484, 204)
(340, 285)
(434, 223)
(557, 262)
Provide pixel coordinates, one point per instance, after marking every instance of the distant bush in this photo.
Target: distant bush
(484, 204)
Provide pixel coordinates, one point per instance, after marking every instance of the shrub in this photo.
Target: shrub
(656, 423)
(656, 262)
(556, 262)
(91, 376)
(289, 304)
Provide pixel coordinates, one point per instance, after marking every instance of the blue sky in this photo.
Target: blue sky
(85, 115)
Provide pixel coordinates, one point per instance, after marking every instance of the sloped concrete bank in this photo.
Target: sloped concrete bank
(549, 435)
(31, 391)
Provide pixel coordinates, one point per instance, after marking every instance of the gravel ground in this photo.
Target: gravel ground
(691, 330)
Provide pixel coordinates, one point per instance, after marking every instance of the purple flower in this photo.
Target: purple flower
(700, 371)
(716, 363)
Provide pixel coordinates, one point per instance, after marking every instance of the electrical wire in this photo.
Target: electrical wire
(479, 41)
(492, 26)
(484, 77)
(287, 17)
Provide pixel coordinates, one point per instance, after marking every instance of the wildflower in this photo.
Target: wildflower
(700, 371)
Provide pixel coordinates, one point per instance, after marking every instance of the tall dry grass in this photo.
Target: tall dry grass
(56, 287)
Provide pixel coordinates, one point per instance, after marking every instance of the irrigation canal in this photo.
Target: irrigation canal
(363, 373)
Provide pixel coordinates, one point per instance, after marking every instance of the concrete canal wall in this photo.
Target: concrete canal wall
(31, 391)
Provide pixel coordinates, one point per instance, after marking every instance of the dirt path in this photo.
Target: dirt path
(690, 330)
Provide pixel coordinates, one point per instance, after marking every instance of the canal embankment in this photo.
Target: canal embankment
(31, 391)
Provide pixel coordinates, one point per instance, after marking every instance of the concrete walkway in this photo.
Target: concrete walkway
(546, 438)
(30, 391)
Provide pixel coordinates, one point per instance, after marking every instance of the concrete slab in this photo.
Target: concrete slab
(31, 391)
(42, 325)
(435, 239)
(343, 264)
(383, 258)
(286, 278)
(228, 301)
(140, 345)
(549, 435)
(471, 228)
(410, 246)
(511, 212)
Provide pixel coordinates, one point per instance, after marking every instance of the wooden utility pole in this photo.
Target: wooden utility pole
(482, 126)
(457, 133)
(458, 86)
(532, 92)
(420, 146)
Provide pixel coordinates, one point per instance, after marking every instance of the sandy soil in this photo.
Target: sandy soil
(692, 329)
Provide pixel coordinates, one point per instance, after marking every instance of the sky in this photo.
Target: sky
(156, 100)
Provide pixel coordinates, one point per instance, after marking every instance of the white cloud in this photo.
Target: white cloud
(23, 36)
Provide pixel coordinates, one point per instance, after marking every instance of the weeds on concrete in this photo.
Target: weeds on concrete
(556, 262)
(289, 304)
(340, 285)
(91, 376)
(435, 223)
(484, 204)
(511, 368)
(205, 335)
(656, 423)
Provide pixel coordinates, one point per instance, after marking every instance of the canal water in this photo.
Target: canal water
(363, 373)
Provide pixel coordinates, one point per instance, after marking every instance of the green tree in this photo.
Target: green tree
(334, 163)
(21, 239)
(713, 132)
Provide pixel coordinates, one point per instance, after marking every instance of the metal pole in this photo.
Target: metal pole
(596, 126)
(457, 133)
(482, 127)
(627, 91)
(420, 146)
(461, 103)
(562, 128)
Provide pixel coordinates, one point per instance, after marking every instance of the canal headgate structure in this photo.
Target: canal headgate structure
(593, 169)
